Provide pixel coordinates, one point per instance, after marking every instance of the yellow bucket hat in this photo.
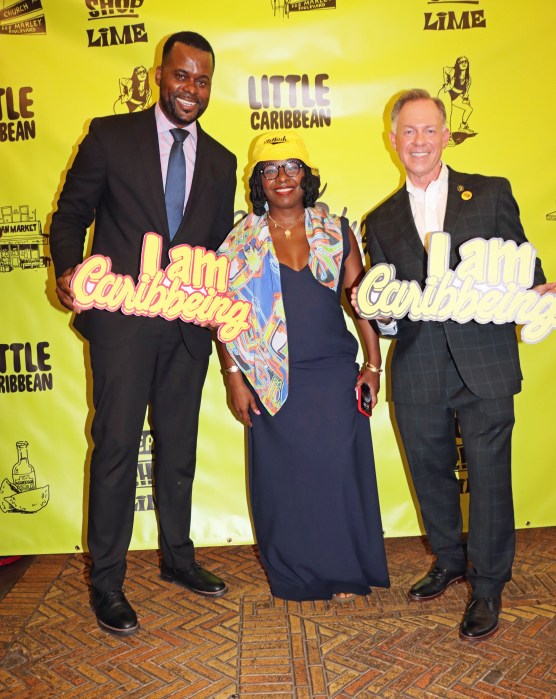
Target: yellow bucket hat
(280, 145)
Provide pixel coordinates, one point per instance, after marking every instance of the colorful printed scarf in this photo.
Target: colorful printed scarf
(262, 351)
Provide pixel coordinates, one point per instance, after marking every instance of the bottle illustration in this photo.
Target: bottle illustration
(21, 495)
(23, 473)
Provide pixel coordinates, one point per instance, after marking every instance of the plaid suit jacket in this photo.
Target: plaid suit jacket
(486, 355)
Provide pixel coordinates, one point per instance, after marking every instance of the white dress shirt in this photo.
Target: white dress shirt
(428, 207)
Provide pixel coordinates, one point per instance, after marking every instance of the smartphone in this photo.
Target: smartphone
(364, 399)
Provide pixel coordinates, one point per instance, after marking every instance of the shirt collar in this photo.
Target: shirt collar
(163, 124)
(438, 185)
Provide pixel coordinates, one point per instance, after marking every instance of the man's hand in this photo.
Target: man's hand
(64, 292)
(543, 288)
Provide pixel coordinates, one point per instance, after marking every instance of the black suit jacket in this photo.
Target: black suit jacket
(486, 355)
(116, 181)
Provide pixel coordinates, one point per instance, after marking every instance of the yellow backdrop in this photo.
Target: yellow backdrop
(328, 67)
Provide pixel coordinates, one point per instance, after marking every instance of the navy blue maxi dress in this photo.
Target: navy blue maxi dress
(311, 468)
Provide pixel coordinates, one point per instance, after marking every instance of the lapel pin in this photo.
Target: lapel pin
(460, 188)
(466, 195)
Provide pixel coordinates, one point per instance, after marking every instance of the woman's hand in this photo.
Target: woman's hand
(372, 379)
(241, 398)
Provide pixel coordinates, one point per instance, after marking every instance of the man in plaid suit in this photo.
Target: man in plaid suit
(444, 369)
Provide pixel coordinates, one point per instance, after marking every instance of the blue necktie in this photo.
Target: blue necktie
(175, 181)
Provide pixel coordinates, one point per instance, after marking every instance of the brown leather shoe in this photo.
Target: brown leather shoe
(434, 583)
(481, 618)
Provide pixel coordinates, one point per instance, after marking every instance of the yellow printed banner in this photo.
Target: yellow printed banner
(330, 68)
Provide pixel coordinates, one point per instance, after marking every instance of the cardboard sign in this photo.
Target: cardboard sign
(491, 284)
(193, 288)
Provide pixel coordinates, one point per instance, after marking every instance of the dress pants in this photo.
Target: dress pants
(428, 435)
(154, 368)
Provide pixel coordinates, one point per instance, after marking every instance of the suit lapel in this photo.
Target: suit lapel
(406, 223)
(147, 146)
(201, 170)
(187, 232)
(454, 205)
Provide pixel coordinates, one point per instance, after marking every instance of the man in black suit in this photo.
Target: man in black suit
(440, 370)
(118, 180)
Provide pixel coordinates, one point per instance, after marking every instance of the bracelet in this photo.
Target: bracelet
(372, 368)
(230, 370)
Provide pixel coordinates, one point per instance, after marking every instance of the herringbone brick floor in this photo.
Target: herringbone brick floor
(252, 646)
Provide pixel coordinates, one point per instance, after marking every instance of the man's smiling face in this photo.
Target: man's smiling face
(184, 79)
(419, 137)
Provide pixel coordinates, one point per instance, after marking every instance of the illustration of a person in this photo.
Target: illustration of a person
(135, 92)
(455, 94)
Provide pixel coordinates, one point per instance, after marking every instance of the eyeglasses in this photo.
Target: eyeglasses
(290, 168)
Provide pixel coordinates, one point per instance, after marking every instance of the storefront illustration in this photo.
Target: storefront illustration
(23, 245)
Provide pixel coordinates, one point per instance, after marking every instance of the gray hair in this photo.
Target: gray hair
(413, 96)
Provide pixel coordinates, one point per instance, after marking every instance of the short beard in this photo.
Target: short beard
(169, 109)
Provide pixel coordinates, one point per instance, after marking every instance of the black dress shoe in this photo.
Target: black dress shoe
(196, 579)
(434, 583)
(114, 613)
(481, 618)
